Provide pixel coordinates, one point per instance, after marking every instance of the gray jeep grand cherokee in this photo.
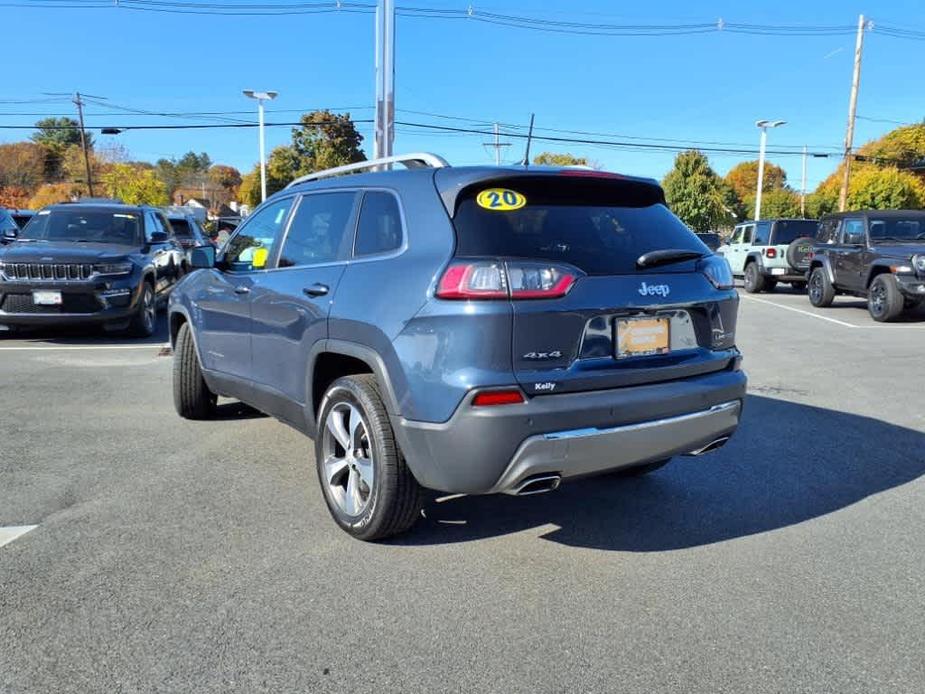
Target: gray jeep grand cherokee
(469, 330)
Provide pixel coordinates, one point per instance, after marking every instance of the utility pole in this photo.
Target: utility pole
(852, 110)
(83, 141)
(529, 141)
(385, 79)
(803, 187)
(497, 144)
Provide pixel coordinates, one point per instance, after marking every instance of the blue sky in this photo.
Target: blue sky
(708, 87)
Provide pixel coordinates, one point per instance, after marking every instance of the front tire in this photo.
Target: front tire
(191, 396)
(754, 280)
(821, 292)
(884, 300)
(367, 485)
(145, 319)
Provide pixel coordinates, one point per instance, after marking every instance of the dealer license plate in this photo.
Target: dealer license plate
(641, 336)
(46, 298)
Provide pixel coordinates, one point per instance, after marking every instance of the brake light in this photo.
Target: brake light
(770, 252)
(590, 173)
(491, 398)
(499, 280)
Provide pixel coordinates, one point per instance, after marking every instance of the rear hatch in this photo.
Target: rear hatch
(800, 234)
(587, 314)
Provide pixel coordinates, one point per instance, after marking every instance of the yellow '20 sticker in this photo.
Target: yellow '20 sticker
(501, 199)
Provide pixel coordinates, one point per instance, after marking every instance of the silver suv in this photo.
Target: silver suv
(770, 251)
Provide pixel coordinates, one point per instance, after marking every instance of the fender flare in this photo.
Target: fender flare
(877, 268)
(753, 256)
(826, 263)
(357, 351)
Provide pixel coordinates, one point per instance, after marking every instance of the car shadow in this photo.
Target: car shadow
(233, 410)
(84, 335)
(787, 464)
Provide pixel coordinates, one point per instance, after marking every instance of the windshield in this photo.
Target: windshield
(600, 239)
(911, 228)
(788, 231)
(181, 228)
(76, 225)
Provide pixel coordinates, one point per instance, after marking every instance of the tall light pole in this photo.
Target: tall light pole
(763, 125)
(261, 97)
(385, 79)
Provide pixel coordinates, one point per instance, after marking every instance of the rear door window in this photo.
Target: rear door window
(762, 234)
(318, 229)
(599, 230)
(181, 228)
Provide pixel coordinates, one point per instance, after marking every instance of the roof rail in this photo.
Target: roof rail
(418, 160)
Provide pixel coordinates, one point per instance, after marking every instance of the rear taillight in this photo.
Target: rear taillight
(770, 252)
(489, 279)
(511, 396)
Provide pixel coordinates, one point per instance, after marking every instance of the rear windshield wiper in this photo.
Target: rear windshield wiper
(666, 256)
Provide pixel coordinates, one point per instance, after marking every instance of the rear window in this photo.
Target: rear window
(181, 228)
(790, 230)
(600, 230)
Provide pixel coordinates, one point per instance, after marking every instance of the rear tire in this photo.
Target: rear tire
(640, 470)
(145, 319)
(884, 300)
(754, 280)
(821, 292)
(191, 396)
(367, 485)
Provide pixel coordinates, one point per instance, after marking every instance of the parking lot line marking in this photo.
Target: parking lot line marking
(48, 348)
(11, 532)
(799, 310)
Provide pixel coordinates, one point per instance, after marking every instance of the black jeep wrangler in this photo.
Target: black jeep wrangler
(877, 254)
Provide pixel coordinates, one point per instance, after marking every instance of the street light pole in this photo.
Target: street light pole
(763, 125)
(261, 97)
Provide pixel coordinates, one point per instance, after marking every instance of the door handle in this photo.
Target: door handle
(242, 290)
(316, 289)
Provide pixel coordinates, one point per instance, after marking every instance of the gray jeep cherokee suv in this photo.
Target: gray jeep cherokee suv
(469, 330)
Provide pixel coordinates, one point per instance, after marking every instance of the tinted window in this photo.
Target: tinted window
(250, 248)
(181, 228)
(20, 219)
(852, 230)
(906, 228)
(379, 230)
(594, 236)
(790, 230)
(317, 231)
(762, 234)
(826, 231)
(93, 225)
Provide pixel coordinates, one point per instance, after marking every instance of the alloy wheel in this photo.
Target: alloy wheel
(148, 311)
(877, 299)
(349, 473)
(815, 287)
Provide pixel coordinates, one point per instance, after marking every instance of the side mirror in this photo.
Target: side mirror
(202, 257)
(159, 237)
(10, 234)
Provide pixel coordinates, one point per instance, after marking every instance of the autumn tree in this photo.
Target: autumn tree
(52, 193)
(559, 159)
(135, 185)
(22, 164)
(871, 187)
(696, 193)
(225, 176)
(901, 147)
(743, 178)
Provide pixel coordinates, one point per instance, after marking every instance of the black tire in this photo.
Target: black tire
(191, 396)
(798, 286)
(798, 250)
(144, 321)
(392, 502)
(884, 300)
(754, 280)
(821, 292)
(640, 470)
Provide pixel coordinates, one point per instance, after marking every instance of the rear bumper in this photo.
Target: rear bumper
(784, 274)
(491, 449)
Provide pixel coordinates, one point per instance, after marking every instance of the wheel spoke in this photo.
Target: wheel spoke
(333, 468)
(356, 426)
(352, 502)
(337, 427)
(365, 470)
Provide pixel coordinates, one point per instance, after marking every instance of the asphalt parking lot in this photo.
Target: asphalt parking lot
(171, 555)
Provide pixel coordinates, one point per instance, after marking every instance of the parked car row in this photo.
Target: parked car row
(876, 255)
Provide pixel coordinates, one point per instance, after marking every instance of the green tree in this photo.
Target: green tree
(781, 202)
(871, 187)
(135, 186)
(249, 190)
(325, 140)
(559, 159)
(900, 147)
(696, 193)
(59, 133)
(192, 163)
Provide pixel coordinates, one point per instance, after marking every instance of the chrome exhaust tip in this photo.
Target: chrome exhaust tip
(538, 484)
(712, 446)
